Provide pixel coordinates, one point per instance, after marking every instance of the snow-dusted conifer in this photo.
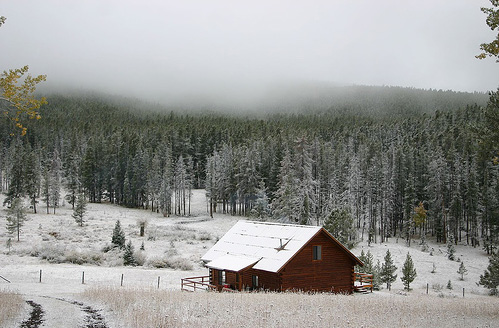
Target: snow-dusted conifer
(72, 182)
(80, 209)
(408, 272)
(369, 263)
(286, 204)
(490, 277)
(462, 270)
(128, 255)
(362, 257)
(16, 215)
(118, 238)
(377, 276)
(55, 180)
(388, 269)
(451, 250)
(32, 176)
(261, 210)
(340, 223)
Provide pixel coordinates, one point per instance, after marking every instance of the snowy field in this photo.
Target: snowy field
(112, 295)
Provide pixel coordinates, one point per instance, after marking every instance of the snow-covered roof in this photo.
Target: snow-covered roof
(269, 246)
(232, 262)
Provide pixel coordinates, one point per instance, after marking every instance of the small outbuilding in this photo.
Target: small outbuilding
(280, 257)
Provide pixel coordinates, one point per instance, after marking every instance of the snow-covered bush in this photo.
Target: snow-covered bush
(50, 252)
(176, 263)
(82, 257)
(140, 257)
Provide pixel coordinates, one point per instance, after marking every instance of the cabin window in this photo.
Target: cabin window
(317, 253)
(221, 277)
(237, 277)
(254, 281)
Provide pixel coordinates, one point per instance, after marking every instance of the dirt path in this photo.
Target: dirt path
(59, 312)
(35, 317)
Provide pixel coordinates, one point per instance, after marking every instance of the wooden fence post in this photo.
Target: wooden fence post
(427, 288)
(122, 280)
(158, 281)
(40, 275)
(83, 278)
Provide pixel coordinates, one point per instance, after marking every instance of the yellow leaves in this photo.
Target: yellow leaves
(491, 49)
(17, 92)
(419, 216)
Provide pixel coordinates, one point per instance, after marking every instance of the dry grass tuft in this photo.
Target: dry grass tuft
(153, 308)
(11, 305)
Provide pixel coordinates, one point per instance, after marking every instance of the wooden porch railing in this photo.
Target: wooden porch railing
(362, 281)
(194, 283)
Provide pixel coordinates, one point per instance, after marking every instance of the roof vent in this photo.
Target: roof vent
(281, 245)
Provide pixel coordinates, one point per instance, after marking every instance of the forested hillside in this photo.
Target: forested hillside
(400, 162)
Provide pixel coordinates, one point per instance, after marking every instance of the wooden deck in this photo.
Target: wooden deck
(196, 283)
(362, 282)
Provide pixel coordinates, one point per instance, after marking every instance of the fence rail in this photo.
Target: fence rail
(5, 279)
(363, 281)
(194, 283)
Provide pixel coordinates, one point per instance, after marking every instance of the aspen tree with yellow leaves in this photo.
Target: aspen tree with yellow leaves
(491, 49)
(17, 100)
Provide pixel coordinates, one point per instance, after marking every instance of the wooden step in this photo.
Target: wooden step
(360, 289)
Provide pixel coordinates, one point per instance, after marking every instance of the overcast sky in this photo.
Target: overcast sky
(229, 48)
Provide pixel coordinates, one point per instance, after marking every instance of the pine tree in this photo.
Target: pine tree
(16, 215)
(362, 257)
(45, 185)
(287, 203)
(32, 176)
(261, 210)
(451, 250)
(462, 270)
(16, 186)
(55, 180)
(341, 225)
(369, 263)
(490, 277)
(72, 178)
(8, 244)
(128, 257)
(118, 239)
(377, 276)
(80, 210)
(387, 270)
(408, 272)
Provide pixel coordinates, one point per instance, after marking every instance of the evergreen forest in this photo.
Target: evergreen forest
(398, 162)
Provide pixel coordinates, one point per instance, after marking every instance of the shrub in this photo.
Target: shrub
(51, 253)
(58, 254)
(139, 258)
(176, 263)
(78, 257)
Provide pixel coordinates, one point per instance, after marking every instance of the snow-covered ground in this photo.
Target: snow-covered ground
(58, 237)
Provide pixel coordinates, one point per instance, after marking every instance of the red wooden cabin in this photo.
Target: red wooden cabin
(280, 257)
